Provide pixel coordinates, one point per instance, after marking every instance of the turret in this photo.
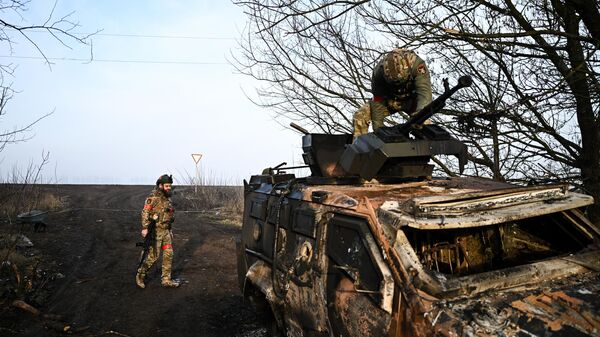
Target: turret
(400, 152)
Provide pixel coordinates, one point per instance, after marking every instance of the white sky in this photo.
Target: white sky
(129, 122)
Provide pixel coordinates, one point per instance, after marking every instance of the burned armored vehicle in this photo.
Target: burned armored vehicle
(370, 245)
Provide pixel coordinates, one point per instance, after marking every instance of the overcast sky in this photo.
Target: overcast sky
(146, 103)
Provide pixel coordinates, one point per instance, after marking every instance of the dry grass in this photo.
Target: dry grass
(226, 201)
(21, 191)
(212, 193)
(18, 198)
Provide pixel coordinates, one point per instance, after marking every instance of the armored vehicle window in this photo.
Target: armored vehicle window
(348, 247)
(479, 249)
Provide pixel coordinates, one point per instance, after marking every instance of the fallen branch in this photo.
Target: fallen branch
(50, 321)
(25, 307)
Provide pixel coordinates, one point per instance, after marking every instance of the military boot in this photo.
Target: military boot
(139, 280)
(169, 283)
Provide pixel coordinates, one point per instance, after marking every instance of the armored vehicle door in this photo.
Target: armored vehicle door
(360, 287)
(282, 256)
(299, 266)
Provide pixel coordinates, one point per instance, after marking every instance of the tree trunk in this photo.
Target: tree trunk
(589, 160)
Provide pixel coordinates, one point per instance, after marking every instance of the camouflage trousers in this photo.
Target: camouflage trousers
(164, 242)
(371, 111)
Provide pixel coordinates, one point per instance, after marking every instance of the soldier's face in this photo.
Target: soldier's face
(166, 188)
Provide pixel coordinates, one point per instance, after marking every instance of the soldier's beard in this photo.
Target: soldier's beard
(165, 192)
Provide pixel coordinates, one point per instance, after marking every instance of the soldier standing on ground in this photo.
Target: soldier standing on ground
(400, 82)
(158, 209)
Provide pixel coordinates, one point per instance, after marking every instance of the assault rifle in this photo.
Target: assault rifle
(148, 242)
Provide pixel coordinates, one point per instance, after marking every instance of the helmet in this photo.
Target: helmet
(393, 74)
(397, 65)
(164, 179)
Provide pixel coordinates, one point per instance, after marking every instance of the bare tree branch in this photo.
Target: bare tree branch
(532, 115)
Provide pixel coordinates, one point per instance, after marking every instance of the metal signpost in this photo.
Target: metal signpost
(196, 157)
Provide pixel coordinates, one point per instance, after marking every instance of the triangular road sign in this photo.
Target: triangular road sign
(196, 157)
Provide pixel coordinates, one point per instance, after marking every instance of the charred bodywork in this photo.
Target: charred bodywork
(338, 254)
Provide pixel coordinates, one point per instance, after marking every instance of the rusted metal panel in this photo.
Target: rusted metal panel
(304, 308)
(357, 315)
(472, 202)
(483, 217)
(259, 274)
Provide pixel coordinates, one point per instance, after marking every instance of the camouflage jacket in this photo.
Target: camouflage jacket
(399, 76)
(159, 208)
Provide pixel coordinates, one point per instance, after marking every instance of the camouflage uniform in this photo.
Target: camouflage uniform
(400, 82)
(158, 208)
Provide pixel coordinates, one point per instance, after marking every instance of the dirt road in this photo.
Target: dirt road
(89, 247)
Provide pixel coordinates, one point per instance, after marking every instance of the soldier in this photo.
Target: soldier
(158, 209)
(400, 82)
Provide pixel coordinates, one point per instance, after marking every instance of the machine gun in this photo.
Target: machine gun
(403, 151)
(436, 105)
(149, 241)
(415, 122)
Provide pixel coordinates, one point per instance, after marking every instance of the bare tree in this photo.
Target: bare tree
(61, 29)
(316, 64)
(531, 117)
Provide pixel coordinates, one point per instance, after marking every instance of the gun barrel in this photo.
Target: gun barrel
(280, 165)
(299, 128)
(436, 105)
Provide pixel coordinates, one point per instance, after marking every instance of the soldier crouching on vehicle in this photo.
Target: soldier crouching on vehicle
(400, 82)
(158, 213)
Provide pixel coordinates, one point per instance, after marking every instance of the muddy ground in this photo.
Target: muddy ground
(88, 260)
